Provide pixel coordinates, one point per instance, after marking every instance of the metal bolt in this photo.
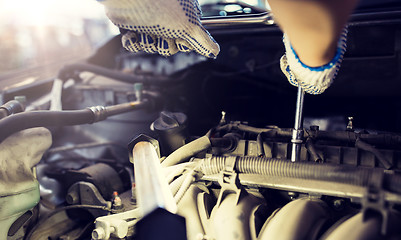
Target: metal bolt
(338, 204)
(223, 118)
(350, 126)
(72, 197)
(117, 203)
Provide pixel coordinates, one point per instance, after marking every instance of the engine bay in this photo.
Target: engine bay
(139, 146)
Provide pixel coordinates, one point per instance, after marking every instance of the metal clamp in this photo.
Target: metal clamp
(99, 113)
(374, 200)
(229, 181)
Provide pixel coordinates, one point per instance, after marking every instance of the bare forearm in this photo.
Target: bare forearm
(313, 26)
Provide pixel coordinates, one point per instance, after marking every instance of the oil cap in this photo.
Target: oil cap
(171, 130)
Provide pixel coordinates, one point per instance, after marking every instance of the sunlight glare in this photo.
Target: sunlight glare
(48, 12)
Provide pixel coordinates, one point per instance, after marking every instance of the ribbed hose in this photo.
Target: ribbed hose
(302, 170)
(188, 180)
(176, 184)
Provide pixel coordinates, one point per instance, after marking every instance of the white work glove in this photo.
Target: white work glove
(161, 26)
(313, 80)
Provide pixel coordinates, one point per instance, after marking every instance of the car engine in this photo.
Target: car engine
(139, 146)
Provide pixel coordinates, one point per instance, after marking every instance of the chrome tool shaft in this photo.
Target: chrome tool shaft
(297, 132)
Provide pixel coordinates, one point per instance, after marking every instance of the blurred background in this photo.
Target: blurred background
(41, 32)
(38, 37)
(41, 35)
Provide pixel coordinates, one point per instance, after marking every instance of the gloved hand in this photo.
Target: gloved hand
(161, 26)
(313, 80)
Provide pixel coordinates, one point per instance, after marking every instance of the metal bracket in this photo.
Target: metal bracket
(374, 200)
(87, 193)
(229, 181)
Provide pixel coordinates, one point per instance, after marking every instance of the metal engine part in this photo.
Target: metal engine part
(237, 181)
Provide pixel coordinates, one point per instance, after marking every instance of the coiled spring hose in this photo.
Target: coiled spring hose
(305, 170)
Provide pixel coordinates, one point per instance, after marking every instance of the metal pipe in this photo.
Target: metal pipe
(267, 18)
(263, 18)
(298, 133)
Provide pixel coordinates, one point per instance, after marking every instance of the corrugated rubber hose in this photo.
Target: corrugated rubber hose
(304, 170)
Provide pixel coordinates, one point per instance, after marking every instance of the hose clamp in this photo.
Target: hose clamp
(374, 199)
(229, 164)
(229, 181)
(99, 112)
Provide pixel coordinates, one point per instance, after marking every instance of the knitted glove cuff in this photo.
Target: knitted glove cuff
(313, 80)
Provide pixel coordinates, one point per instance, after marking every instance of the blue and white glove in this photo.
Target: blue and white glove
(161, 26)
(313, 80)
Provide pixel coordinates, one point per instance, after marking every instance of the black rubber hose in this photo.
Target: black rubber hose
(369, 148)
(25, 120)
(69, 71)
(187, 151)
(310, 147)
(3, 113)
(259, 141)
(303, 170)
(383, 139)
(225, 143)
(246, 128)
